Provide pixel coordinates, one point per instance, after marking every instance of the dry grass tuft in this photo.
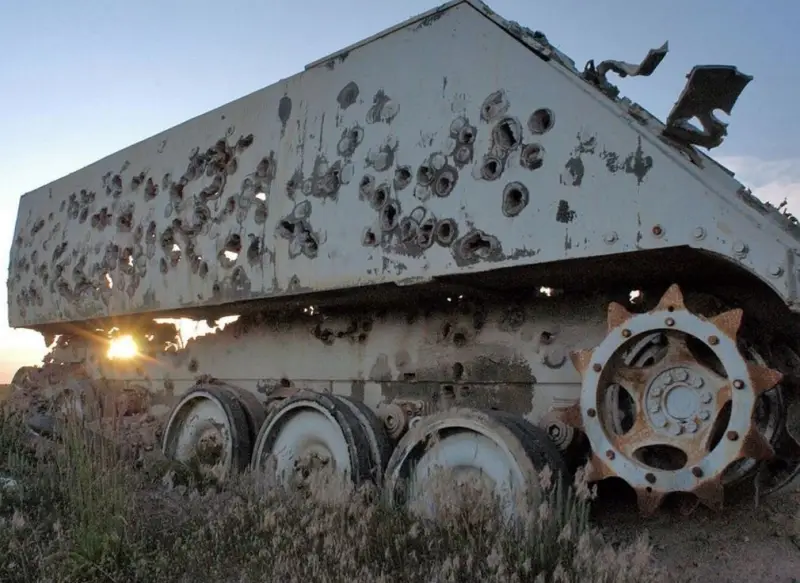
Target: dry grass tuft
(77, 512)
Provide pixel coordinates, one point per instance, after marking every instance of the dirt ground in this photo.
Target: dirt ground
(743, 543)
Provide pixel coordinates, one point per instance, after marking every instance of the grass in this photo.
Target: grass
(77, 512)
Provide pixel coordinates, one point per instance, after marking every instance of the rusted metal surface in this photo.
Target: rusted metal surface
(350, 174)
(691, 408)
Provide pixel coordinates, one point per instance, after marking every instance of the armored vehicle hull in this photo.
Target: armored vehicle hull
(436, 231)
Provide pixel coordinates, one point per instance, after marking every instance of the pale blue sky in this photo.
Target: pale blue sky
(80, 79)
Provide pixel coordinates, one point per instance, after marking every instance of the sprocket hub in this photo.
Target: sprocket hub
(690, 422)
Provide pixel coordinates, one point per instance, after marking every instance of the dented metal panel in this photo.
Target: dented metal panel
(355, 173)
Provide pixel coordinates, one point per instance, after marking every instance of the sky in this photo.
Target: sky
(82, 79)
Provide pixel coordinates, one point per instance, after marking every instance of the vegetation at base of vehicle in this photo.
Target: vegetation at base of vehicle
(74, 510)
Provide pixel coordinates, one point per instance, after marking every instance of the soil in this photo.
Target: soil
(744, 542)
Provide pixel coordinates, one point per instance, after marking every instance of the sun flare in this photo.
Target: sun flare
(123, 347)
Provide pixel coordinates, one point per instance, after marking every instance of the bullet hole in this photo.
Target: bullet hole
(389, 216)
(383, 158)
(261, 213)
(348, 95)
(138, 233)
(101, 219)
(308, 243)
(175, 255)
(232, 167)
(541, 121)
(462, 154)
(203, 269)
(458, 371)
(326, 183)
(284, 109)
(213, 190)
(515, 198)
(446, 232)
(297, 230)
(126, 260)
(216, 290)
(293, 184)
(125, 220)
(254, 250)
(478, 245)
(74, 208)
(425, 233)
(37, 226)
(114, 186)
(383, 108)
(545, 338)
(494, 106)
(408, 229)
(380, 197)
(151, 232)
(163, 266)
(176, 193)
(193, 365)
(445, 182)
(84, 214)
(402, 177)
(230, 206)
(137, 180)
(492, 168)
(366, 186)
(467, 135)
(233, 244)
(350, 140)
(425, 175)
(507, 134)
(245, 142)
(532, 157)
(264, 168)
(286, 229)
(167, 239)
(459, 339)
(59, 251)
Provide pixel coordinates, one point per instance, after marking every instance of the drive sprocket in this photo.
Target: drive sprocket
(692, 410)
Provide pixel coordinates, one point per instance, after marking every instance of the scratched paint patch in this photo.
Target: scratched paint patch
(636, 163)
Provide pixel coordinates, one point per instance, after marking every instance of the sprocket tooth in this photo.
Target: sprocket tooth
(711, 494)
(581, 359)
(672, 298)
(649, 501)
(617, 315)
(763, 378)
(687, 504)
(755, 446)
(729, 322)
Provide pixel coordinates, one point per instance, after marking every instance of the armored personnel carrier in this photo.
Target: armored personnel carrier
(444, 246)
